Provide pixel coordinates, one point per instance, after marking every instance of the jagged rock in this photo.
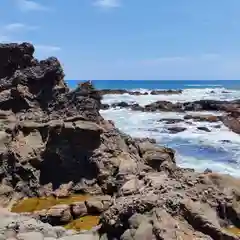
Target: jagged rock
(79, 209)
(136, 220)
(120, 104)
(176, 129)
(144, 231)
(232, 123)
(137, 93)
(207, 118)
(205, 129)
(94, 206)
(171, 121)
(59, 214)
(131, 187)
(167, 92)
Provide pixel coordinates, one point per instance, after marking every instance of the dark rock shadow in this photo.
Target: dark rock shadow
(68, 157)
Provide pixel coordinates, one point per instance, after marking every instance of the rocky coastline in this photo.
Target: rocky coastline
(230, 110)
(63, 166)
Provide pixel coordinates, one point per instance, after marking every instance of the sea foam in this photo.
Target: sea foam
(218, 149)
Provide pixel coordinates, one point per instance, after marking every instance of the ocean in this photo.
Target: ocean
(163, 84)
(218, 150)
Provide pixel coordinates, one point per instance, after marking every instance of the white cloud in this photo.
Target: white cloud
(16, 27)
(107, 3)
(29, 5)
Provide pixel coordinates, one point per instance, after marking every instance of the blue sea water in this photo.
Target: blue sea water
(218, 149)
(161, 84)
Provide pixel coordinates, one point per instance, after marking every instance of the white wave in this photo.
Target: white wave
(218, 150)
(187, 95)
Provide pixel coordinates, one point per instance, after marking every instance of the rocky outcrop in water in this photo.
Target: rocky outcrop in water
(231, 110)
(138, 93)
(54, 142)
(232, 107)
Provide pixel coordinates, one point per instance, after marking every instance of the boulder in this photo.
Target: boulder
(130, 187)
(59, 214)
(176, 129)
(205, 129)
(207, 118)
(94, 207)
(78, 209)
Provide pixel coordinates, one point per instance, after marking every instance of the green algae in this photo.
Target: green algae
(36, 204)
(83, 223)
(233, 230)
(30, 205)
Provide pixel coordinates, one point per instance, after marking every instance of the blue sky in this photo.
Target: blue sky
(130, 39)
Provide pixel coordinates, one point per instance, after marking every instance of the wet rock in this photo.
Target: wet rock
(105, 106)
(232, 123)
(171, 121)
(205, 129)
(120, 104)
(59, 214)
(176, 129)
(206, 171)
(138, 93)
(163, 106)
(166, 92)
(207, 118)
(204, 220)
(94, 206)
(64, 190)
(144, 231)
(79, 209)
(137, 107)
(136, 220)
(131, 187)
(128, 234)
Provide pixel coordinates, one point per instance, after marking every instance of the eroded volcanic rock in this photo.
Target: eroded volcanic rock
(55, 142)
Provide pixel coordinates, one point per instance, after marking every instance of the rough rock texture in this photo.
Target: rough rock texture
(232, 107)
(19, 227)
(231, 110)
(55, 142)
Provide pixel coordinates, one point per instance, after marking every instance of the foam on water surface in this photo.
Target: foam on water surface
(186, 96)
(218, 150)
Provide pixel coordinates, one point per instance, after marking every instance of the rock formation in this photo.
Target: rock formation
(138, 93)
(54, 142)
(231, 110)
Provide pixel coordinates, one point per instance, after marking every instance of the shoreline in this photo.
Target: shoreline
(56, 142)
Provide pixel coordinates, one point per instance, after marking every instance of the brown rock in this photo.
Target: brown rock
(207, 118)
(59, 214)
(131, 187)
(79, 209)
(94, 206)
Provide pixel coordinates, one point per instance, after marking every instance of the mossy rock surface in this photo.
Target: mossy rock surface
(36, 204)
(83, 223)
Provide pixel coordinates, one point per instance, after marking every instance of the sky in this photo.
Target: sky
(130, 39)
